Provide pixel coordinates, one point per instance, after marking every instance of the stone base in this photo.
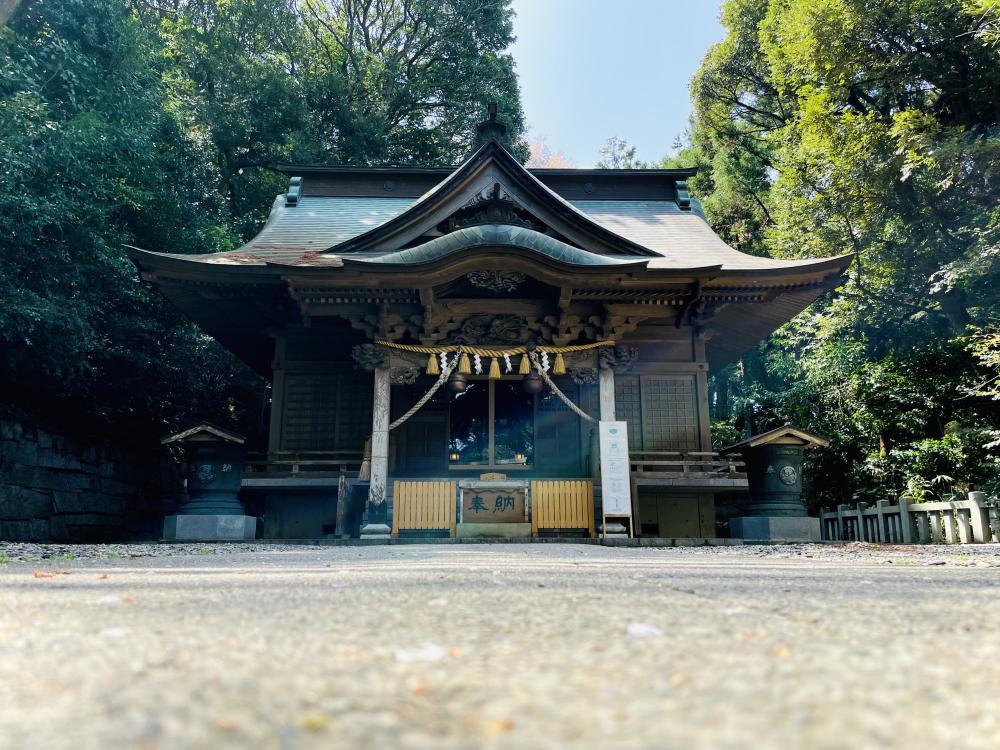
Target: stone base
(613, 530)
(493, 530)
(652, 541)
(775, 528)
(375, 531)
(209, 528)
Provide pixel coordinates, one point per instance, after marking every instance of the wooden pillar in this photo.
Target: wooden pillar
(607, 393)
(378, 515)
(275, 437)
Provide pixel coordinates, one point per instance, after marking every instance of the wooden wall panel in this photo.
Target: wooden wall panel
(325, 410)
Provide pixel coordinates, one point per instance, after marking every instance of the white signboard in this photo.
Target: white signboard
(616, 491)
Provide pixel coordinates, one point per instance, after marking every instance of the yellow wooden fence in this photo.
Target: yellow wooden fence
(423, 505)
(562, 505)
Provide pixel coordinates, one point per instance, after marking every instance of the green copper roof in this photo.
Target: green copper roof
(496, 235)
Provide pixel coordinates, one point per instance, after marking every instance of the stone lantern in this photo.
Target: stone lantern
(776, 512)
(212, 510)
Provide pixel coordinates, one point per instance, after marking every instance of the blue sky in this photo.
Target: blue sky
(591, 69)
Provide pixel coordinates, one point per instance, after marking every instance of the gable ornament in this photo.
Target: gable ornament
(494, 205)
(618, 358)
(496, 281)
(369, 357)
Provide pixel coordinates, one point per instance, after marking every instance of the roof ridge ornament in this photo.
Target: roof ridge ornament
(491, 129)
(294, 191)
(493, 205)
(683, 197)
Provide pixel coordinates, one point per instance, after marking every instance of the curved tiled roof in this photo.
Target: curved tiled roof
(495, 235)
(680, 239)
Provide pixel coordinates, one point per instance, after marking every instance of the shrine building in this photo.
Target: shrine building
(461, 351)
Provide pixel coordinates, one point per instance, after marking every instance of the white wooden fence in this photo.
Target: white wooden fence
(960, 521)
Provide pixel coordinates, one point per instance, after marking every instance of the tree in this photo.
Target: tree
(157, 123)
(540, 155)
(92, 160)
(873, 128)
(616, 153)
(406, 81)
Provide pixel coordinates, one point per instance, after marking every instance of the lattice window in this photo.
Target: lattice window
(670, 413)
(628, 408)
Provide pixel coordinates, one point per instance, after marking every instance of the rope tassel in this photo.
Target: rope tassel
(432, 365)
(525, 367)
(464, 366)
(559, 368)
(494, 369)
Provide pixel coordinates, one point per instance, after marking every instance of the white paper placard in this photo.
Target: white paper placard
(616, 490)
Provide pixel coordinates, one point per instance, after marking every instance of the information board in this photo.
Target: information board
(616, 489)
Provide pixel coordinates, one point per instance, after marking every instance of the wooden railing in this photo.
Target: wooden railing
(297, 462)
(962, 521)
(560, 505)
(423, 506)
(680, 464)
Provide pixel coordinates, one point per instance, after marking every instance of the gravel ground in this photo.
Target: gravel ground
(499, 646)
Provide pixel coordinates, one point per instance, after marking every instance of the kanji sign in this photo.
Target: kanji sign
(493, 505)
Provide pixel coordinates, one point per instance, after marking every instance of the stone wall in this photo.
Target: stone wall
(67, 489)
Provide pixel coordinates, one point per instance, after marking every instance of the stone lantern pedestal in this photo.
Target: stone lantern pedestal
(212, 510)
(776, 512)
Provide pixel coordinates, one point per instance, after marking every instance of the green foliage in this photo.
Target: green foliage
(985, 347)
(156, 123)
(616, 153)
(832, 126)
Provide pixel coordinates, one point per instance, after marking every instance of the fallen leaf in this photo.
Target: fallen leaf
(678, 680)
(43, 574)
(454, 652)
(314, 722)
(418, 688)
(498, 726)
(103, 577)
(780, 652)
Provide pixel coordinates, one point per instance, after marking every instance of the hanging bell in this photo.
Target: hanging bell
(532, 383)
(457, 382)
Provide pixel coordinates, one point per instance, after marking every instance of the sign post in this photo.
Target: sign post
(616, 486)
